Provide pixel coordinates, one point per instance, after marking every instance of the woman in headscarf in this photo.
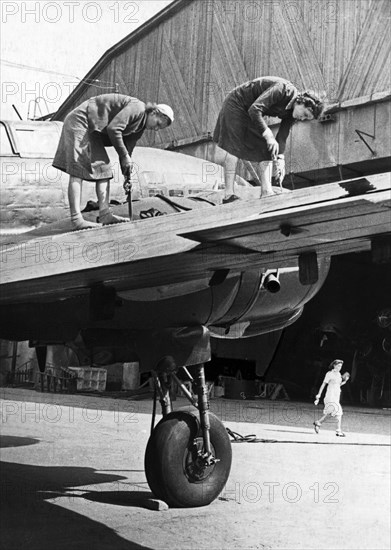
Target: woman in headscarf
(101, 121)
(242, 132)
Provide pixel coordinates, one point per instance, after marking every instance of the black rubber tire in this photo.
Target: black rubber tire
(168, 461)
(152, 460)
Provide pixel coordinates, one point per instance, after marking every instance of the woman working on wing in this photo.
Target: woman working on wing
(104, 120)
(241, 130)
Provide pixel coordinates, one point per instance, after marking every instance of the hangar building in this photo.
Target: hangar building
(194, 52)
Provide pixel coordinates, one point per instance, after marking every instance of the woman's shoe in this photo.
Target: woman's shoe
(338, 433)
(231, 198)
(317, 426)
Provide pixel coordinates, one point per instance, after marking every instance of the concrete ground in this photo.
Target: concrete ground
(72, 478)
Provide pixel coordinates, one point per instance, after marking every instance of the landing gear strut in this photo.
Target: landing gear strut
(188, 459)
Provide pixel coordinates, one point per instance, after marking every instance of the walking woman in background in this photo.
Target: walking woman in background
(241, 130)
(333, 380)
(99, 122)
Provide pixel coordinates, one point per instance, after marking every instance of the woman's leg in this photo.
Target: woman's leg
(230, 165)
(322, 418)
(74, 197)
(318, 423)
(339, 424)
(103, 194)
(229, 162)
(265, 173)
(262, 174)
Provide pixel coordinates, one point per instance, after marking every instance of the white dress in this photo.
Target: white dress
(331, 400)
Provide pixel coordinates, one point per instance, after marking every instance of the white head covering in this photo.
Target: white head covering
(166, 110)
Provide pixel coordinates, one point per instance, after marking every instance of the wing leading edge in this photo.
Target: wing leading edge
(270, 232)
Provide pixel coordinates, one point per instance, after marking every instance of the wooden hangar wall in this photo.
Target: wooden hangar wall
(194, 52)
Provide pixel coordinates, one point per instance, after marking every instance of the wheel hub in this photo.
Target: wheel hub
(197, 466)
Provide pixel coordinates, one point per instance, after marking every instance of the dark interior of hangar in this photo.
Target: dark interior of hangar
(350, 319)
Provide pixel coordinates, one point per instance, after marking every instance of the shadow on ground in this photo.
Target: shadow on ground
(15, 441)
(28, 521)
(119, 498)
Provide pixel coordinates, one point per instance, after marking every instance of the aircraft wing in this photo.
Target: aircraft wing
(271, 232)
(330, 219)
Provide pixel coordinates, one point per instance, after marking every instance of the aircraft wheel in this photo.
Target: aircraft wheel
(174, 472)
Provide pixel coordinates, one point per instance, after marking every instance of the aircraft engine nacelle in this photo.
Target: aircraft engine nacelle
(278, 303)
(241, 305)
(235, 305)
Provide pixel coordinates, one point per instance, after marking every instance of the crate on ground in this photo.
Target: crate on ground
(218, 391)
(131, 376)
(123, 376)
(235, 387)
(90, 378)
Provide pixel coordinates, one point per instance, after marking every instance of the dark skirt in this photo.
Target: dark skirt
(236, 133)
(81, 153)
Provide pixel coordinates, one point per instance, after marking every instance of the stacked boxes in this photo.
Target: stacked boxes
(90, 379)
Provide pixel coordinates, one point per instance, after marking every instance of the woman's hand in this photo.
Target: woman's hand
(272, 144)
(316, 401)
(126, 166)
